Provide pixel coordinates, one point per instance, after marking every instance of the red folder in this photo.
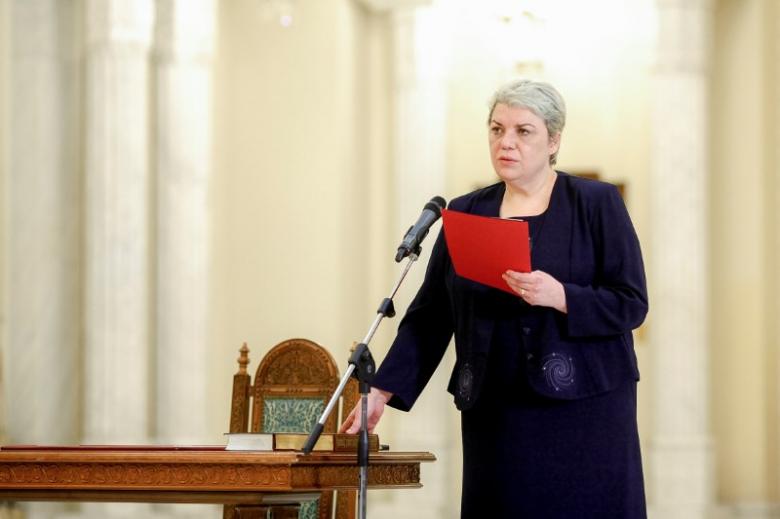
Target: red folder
(483, 248)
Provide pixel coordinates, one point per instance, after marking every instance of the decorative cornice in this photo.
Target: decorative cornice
(384, 6)
(685, 36)
(33, 27)
(124, 22)
(185, 30)
(707, 4)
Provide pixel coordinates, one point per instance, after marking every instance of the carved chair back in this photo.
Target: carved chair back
(292, 385)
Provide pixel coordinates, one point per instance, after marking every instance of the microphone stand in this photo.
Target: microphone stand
(362, 366)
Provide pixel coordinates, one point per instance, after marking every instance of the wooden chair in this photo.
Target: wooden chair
(292, 385)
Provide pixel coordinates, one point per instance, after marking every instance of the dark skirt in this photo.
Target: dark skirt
(531, 457)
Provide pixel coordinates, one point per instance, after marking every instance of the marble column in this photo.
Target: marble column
(185, 41)
(420, 119)
(117, 208)
(42, 229)
(119, 35)
(419, 100)
(774, 162)
(681, 471)
(4, 74)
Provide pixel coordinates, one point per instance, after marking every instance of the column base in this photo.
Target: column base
(754, 511)
(735, 511)
(681, 478)
(145, 510)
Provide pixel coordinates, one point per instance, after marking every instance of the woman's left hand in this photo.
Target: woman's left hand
(537, 288)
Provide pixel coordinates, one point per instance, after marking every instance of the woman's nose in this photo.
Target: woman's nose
(508, 142)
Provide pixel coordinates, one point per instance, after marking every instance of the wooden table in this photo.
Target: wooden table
(154, 474)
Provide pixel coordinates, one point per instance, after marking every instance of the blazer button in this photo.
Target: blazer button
(530, 356)
(526, 330)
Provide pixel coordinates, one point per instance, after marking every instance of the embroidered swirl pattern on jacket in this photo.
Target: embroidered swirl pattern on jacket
(558, 371)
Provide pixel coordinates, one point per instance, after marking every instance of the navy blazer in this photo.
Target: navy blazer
(588, 243)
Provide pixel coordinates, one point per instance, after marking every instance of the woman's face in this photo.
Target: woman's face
(520, 146)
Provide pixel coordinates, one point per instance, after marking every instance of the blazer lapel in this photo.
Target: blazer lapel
(552, 243)
(489, 203)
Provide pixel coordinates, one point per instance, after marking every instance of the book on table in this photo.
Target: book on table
(334, 442)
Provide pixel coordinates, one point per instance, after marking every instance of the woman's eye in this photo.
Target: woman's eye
(495, 130)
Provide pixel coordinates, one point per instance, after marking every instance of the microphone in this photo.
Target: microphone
(417, 232)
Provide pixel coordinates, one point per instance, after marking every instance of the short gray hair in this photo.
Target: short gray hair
(539, 97)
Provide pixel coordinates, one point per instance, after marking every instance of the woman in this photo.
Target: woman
(545, 379)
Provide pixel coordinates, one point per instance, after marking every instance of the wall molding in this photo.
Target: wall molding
(383, 6)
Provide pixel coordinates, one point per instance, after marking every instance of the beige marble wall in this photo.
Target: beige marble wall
(771, 153)
(744, 270)
(773, 160)
(4, 74)
(292, 152)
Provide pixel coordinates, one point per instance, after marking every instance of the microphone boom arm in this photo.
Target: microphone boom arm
(361, 363)
(362, 366)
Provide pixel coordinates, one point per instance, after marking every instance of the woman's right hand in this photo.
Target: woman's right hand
(377, 399)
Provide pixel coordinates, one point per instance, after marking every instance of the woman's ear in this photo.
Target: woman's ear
(554, 143)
